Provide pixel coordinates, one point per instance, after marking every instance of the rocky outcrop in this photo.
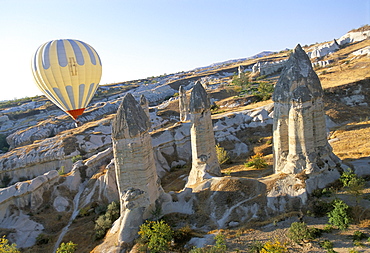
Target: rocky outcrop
(183, 104)
(26, 195)
(354, 36)
(299, 130)
(324, 49)
(268, 68)
(204, 158)
(362, 51)
(137, 180)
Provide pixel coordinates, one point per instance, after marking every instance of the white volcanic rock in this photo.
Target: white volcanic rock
(204, 158)
(137, 180)
(27, 194)
(4, 118)
(353, 37)
(322, 63)
(324, 49)
(363, 51)
(183, 105)
(268, 68)
(26, 230)
(299, 131)
(60, 204)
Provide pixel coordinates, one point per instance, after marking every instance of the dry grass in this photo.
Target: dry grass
(352, 140)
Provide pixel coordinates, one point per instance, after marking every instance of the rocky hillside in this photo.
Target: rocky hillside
(54, 176)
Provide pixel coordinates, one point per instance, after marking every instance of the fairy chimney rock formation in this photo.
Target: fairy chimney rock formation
(204, 158)
(137, 179)
(240, 71)
(145, 105)
(299, 128)
(183, 104)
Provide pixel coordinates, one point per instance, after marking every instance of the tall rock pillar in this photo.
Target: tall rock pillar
(137, 179)
(183, 104)
(204, 158)
(299, 129)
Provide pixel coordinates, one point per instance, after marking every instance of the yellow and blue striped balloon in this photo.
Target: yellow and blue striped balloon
(68, 72)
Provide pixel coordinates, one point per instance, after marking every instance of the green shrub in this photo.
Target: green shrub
(261, 77)
(61, 171)
(256, 247)
(105, 221)
(328, 245)
(264, 91)
(68, 247)
(241, 82)
(353, 184)
(299, 232)
(156, 235)
(222, 155)
(219, 247)
(358, 236)
(339, 216)
(76, 158)
(6, 247)
(257, 162)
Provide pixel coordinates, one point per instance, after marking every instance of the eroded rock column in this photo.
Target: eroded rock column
(299, 129)
(204, 158)
(183, 104)
(137, 180)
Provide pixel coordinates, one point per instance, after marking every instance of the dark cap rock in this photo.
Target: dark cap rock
(130, 120)
(296, 77)
(199, 99)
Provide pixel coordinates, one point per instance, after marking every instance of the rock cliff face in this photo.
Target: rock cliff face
(204, 158)
(299, 131)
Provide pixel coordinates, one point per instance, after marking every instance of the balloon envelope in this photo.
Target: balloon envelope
(68, 72)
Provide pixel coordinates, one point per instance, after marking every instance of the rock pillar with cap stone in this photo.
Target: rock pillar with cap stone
(204, 159)
(240, 71)
(183, 104)
(137, 179)
(299, 128)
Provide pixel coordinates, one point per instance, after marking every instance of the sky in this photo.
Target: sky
(143, 38)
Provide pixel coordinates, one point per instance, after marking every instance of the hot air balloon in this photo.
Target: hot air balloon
(68, 72)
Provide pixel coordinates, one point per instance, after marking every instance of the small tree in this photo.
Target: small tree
(264, 91)
(105, 221)
(242, 82)
(339, 216)
(68, 247)
(257, 162)
(299, 232)
(6, 247)
(222, 155)
(353, 184)
(156, 235)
